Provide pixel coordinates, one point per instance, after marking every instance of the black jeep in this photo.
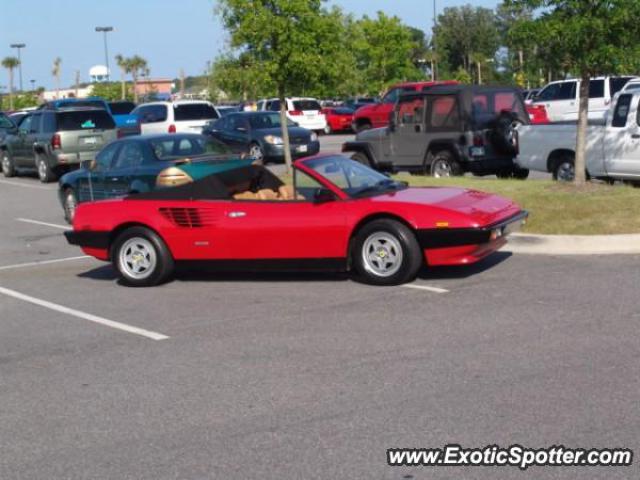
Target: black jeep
(446, 131)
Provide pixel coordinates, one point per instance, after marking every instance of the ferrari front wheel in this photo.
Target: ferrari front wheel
(386, 252)
(141, 258)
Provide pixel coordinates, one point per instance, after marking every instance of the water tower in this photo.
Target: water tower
(98, 73)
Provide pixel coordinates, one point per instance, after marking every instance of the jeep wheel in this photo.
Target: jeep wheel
(361, 158)
(445, 165)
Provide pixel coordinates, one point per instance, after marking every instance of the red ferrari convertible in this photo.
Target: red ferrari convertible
(338, 215)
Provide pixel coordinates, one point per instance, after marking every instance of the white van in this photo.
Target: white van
(561, 98)
(181, 116)
(303, 111)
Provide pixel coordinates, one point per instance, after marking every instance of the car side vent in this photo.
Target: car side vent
(184, 217)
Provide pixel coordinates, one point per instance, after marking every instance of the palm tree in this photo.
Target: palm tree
(135, 66)
(55, 71)
(10, 63)
(124, 68)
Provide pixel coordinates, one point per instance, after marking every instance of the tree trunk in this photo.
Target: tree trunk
(123, 84)
(135, 88)
(581, 140)
(285, 130)
(11, 89)
(479, 73)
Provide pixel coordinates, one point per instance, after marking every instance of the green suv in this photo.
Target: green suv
(54, 142)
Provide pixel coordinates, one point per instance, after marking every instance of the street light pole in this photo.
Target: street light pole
(104, 31)
(434, 73)
(33, 84)
(19, 46)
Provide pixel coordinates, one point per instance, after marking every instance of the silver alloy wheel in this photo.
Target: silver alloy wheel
(70, 205)
(327, 129)
(566, 172)
(42, 170)
(6, 164)
(137, 258)
(256, 152)
(382, 254)
(441, 168)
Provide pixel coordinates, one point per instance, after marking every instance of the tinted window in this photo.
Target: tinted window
(131, 155)
(25, 124)
(237, 122)
(443, 112)
(343, 111)
(194, 111)
(178, 147)
(558, 91)
(391, 96)
(411, 111)
(85, 120)
(306, 105)
(621, 112)
(5, 123)
(617, 83)
(596, 89)
(105, 157)
(35, 123)
(274, 105)
(631, 87)
(267, 120)
(152, 113)
(122, 108)
(487, 106)
(49, 123)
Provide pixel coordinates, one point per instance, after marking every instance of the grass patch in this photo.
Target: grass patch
(555, 208)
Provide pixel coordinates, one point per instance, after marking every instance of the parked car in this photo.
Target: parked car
(447, 130)
(357, 102)
(181, 116)
(338, 119)
(338, 215)
(376, 115)
(306, 112)
(530, 95)
(225, 110)
(612, 148)
(15, 117)
(56, 141)
(561, 98)
(260, 134)
(142, 164)
(126, 123)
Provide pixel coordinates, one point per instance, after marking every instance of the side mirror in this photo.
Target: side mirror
(323, 195)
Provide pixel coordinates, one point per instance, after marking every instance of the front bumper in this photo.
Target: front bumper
(276, 152)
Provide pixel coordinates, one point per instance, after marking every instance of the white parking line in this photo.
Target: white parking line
(26, 185)
(42, 262)
(427, 288)
(38, 222)
(85, 316)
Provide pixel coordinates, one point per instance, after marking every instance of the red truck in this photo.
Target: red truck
(377, 114)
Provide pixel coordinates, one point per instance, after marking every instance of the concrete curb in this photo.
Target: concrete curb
(573, 244)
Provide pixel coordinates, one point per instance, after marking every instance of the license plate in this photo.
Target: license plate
(310, 117)
(477, 151)
(90, 140)
(302, 148)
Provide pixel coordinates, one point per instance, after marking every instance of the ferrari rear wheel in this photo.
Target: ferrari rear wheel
(386, 252)
(141, 258)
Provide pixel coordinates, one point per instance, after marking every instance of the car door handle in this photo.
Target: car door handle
(236, 214)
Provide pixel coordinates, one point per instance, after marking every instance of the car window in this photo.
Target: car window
(596, 89)
(105, 158)
(180, 147)
(49, 123)
(621, 111)
(131, 155)
(305, 185)
(411, 111)
(152, 113)
(85, 120)
(267, 120)
(558, 91)
(238, 122)
(632, 86)
(121, 108)
(306, 105)
(273, 106)
(617, 83)
(35, 123)
(25, 124)
(194, 111)
(486, 107)
(391, 96)
(443, 112)
(5, 123)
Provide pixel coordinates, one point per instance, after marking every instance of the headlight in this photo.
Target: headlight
(273, 140)
(314, 136)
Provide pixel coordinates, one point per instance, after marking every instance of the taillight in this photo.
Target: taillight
(295, 113)
(478, 141)
(56, 142)
(172, 128)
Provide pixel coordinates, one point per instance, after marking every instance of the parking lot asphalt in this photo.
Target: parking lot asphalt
(303, 376)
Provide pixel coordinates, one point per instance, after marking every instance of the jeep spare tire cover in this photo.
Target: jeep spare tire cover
(503, 133)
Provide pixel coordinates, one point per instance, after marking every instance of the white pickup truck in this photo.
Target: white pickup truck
(613, 145)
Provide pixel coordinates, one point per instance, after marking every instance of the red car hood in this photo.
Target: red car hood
(479, 207)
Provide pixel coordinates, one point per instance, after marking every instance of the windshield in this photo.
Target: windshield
(353, 178)
(194, 111)
(171, 147)
(267, 120)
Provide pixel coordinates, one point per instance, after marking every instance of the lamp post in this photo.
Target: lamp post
(434, 63)
(19, 47)
(33, 85)
(104, 31)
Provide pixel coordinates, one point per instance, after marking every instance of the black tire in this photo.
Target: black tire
(564, 169)
(45, 173)
(399, 239)
(517, 173)
(362, 126)
(361, 158)
(8, 167)
(444, 164)
(503, 134)
(151, 247)
(69, 204)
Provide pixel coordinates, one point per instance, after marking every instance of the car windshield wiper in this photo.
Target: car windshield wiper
(378, 187)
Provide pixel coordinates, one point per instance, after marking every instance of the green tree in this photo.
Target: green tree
(110, 91)
(135, 66)
(590, 37)
(10, 63)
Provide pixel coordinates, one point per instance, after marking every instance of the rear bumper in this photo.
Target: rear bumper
(95, 244)
(489, 165)
(459, 246)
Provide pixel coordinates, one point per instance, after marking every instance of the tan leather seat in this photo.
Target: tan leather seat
(248, 195)
(286, 192)
(267, 194)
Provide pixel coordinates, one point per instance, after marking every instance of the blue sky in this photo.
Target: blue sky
(170, 34)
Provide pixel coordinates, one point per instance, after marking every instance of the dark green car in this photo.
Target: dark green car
(143, 163)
